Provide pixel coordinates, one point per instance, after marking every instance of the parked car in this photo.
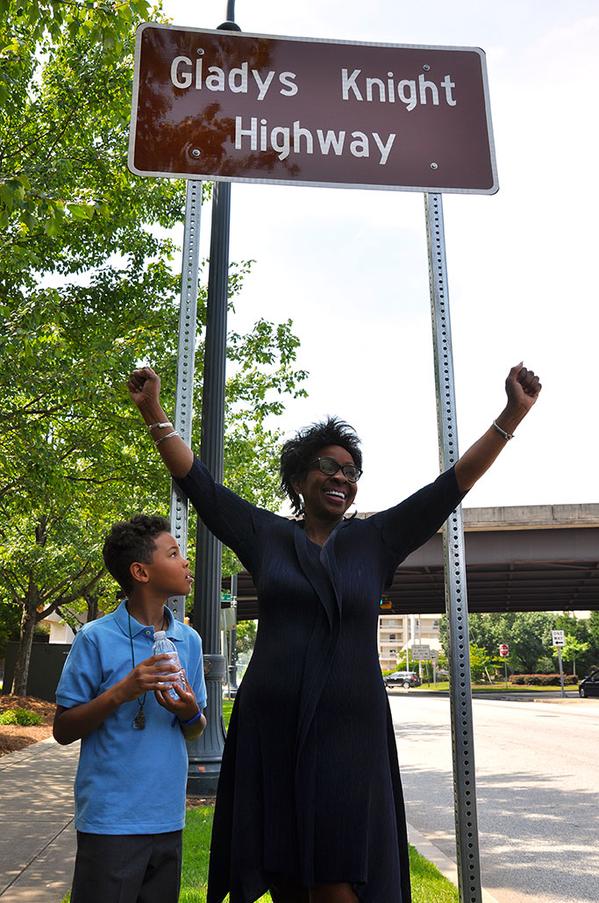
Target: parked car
(405, 679)
(589, 686)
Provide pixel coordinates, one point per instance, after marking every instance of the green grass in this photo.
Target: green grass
(443, 686)
(428, 884)
(227, 707)
(196, 843)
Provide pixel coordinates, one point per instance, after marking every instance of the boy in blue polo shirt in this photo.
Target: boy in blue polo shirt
(114, 695)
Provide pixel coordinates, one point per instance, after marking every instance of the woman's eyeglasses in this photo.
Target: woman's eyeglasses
(329, 467)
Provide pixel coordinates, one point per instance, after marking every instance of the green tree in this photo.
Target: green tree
(480, 663)
(66, 200)
(593, 629)
(529, 639)
(87, 293)
(591, 659)
(573, 649)
(528, 635)
(486, 631)
(245, 636)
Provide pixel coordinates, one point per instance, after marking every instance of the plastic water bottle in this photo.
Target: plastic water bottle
(164, 646)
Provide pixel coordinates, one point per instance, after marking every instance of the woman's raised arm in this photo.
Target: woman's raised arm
(144, 388)
(522, 388)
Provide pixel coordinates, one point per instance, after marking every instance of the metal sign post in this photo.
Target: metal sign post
(185, 365)
(204, 763)
(233, 659)
(561, 670)
(468, 860)
(504, 651)
(558, 639)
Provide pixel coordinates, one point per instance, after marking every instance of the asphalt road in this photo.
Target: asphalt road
(537, 766)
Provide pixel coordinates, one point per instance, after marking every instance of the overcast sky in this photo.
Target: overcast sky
(350, 266)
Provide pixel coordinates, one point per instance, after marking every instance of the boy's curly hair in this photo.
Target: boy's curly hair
(129, 541)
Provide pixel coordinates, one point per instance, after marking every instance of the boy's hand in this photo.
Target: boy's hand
(185, 707)
(154, 673)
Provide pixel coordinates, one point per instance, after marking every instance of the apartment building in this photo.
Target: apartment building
(398, 631)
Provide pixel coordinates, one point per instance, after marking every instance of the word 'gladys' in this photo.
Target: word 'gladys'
(284, 139)
(185, 73)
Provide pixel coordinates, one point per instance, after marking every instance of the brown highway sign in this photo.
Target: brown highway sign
(243, 107)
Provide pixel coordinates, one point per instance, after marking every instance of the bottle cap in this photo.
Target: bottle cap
(159, 634)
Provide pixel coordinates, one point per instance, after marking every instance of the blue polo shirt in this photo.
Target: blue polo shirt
(129, 781)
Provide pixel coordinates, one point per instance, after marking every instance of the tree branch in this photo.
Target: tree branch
(66, 600)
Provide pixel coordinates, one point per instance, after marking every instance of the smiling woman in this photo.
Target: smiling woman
(321, 465)
(309, 801)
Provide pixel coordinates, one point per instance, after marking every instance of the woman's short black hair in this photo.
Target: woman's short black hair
(129, 541)
(299, 452)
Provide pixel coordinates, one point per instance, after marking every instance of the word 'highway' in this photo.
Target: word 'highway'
(284, 139)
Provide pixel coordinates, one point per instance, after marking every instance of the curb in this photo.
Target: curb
(446, 866)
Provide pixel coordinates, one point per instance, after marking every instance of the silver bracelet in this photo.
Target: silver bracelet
(168, 436)
(161, 426)
(506, 436)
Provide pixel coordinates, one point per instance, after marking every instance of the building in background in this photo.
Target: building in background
(398, 632)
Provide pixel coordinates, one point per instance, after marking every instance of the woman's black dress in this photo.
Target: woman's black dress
(309, 788)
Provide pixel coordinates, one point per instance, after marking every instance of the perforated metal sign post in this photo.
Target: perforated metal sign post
(558, 639)
(250, 107)
(456, 601)
(185, 362)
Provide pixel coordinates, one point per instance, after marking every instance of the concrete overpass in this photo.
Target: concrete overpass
(534, 558)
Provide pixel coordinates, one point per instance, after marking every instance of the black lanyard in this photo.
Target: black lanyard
(139, 722)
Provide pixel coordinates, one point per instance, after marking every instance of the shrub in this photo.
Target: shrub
(545, 665)
(20, 716)
(542, 680)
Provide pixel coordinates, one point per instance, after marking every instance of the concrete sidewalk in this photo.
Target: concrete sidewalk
(37, 841)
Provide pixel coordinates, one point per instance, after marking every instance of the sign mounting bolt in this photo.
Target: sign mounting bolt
(196, 152)
(200, 51)
(426, 67)
(434, 165)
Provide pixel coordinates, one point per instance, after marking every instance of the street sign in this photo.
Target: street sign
(558, 638)
(420, 653)
(220, 105)
(504, 650)
(228, 618)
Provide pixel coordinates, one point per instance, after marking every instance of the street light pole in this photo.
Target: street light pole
(205, 754)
